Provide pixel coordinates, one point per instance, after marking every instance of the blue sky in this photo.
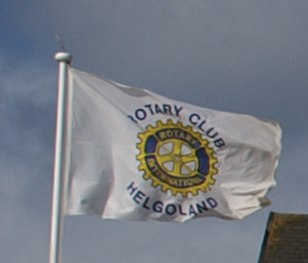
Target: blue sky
(239, 56)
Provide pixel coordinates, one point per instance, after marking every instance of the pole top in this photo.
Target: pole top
(63, 57)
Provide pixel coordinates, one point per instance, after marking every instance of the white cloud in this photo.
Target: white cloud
(25, 160)
(239, 56)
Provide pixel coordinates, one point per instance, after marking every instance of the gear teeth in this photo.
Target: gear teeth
(169, 122)
(192, 190)
(146, 176)
(211, 181)
(155, 184)
(173, 192)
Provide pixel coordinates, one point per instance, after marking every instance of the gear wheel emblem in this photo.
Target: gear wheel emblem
(176, 158)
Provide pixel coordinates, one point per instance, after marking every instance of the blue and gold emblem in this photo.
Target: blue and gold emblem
(176, 158)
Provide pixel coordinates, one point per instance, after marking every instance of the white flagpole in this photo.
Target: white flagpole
(57, 216)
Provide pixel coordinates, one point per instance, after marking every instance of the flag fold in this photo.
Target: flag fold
(133, 154)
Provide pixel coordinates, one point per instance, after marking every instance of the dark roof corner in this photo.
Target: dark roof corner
(285, 239)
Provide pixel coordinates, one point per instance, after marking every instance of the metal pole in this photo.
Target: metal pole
(57, 216)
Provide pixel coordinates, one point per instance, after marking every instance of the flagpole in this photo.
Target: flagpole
(57, 217)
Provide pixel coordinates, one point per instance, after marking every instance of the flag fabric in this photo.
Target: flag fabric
(136, 155)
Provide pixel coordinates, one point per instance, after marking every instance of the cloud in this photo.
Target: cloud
(239, 56)
(233, 56)
(26, 102)
(27, 124)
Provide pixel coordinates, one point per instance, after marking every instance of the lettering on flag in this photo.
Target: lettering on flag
(136, 155)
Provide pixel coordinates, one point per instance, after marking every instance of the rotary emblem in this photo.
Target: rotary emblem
(176, 158)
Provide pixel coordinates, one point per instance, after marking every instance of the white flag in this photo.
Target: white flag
(136, 155)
